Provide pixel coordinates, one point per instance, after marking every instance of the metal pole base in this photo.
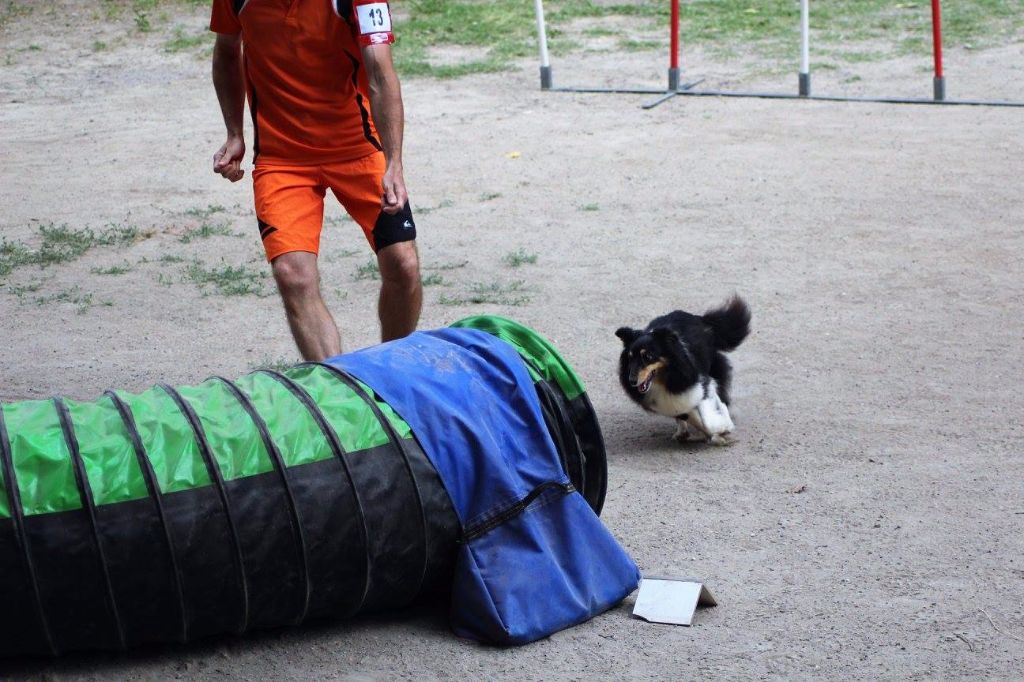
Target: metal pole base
(545, 78)
(805, 84)
(673, 80)
(940, 89)
(680, 90)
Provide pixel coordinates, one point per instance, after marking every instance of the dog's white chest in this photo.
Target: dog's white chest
(703, 409)
(661, 401)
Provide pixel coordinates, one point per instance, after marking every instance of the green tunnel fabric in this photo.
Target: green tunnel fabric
(107, 453)
(42, 463)
(5, 507)
(45, 473)
(542, 359)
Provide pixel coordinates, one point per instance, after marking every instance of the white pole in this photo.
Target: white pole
(542, 41)
(805, 50)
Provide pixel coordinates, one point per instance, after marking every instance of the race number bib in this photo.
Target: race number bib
(373, 17)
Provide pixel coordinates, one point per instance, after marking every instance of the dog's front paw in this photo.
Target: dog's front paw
(722, 439)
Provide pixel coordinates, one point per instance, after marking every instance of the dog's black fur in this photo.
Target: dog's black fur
(662, 366)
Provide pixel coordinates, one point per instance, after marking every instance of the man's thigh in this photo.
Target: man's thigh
(358, 185)
(289, 208)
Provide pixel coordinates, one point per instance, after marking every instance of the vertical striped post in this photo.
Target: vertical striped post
(542, 41)
(939, 83)
(673, 59)
(805, 50)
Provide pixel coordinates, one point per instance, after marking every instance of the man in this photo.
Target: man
(313, 71)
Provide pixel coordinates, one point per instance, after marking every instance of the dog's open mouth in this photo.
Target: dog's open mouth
(645, 385)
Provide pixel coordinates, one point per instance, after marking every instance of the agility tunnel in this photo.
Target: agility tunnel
(466, 461)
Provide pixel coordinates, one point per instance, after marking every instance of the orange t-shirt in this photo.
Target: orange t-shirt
(307, 87)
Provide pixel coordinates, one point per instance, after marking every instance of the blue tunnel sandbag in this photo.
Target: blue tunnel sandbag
(269, 500)
(533, 557)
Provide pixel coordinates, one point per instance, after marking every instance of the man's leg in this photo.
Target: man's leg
(290, 211)
(357, 184)
(298, 281)
(401, 293)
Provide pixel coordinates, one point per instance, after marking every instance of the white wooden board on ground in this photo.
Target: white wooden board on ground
(671, 601)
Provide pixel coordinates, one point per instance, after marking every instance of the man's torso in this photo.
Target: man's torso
(308, 90)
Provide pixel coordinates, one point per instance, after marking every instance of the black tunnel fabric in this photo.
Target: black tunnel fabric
(178, 513)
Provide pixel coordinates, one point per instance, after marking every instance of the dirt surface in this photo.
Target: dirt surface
(868, 522)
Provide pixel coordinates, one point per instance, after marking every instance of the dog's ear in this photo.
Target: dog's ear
(627, 335)
(671, 339)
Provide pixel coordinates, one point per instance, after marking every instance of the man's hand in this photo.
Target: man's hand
(395, 195)
(228, 159)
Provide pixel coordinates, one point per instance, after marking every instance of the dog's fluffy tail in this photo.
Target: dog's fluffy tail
(729, 324)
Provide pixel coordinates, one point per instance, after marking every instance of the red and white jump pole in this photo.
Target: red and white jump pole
(542, 43)
(940, 80)
(673, 49)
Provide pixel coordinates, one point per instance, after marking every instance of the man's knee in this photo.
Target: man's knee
(399, 264)
(296, 275)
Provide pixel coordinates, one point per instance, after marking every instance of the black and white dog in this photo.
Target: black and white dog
(676, 367)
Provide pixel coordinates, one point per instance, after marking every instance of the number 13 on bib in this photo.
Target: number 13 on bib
(374, 22)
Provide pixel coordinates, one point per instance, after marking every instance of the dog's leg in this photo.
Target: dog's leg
(712, 417)
(682, 433)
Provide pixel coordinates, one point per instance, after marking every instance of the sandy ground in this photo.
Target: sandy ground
(880, 248)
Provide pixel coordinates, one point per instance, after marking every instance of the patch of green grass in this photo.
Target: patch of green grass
(490, 196)
(369, 270)
(444, 203)
(518, 258)
(434, 279)
(590, 207)
(493, 293)
(499, 31)
(274, 364)
(182, 42)
(99, 46)
(633, 45)
(228, 280)
(14, 254)
(207, 230)
(61, 244)
(341, 254)
(166, 259)
(13, 9)
(82, 300)
(147, 15)
(142, 22)
(204, 213)
(22, 290)
(448, 266)
(112, 270)
(856, 57)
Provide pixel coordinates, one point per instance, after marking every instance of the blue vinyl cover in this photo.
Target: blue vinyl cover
(473, 407)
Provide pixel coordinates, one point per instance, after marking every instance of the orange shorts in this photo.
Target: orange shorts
(290, 204)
